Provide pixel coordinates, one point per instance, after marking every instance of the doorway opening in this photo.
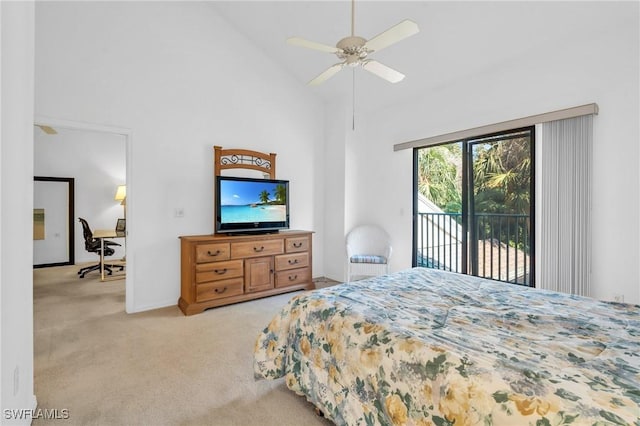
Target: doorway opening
(98, 157)
(474, 206)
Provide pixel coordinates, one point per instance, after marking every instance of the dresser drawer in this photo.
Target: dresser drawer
(292, 261)
(257, 248)
(298, 244)
(293, 277)
(212, 252)
(219, 289)
(216, 271)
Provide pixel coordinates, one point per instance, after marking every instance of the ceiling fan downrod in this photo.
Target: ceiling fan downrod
(353, 19)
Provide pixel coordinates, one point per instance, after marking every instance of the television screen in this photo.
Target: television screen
(247, 204)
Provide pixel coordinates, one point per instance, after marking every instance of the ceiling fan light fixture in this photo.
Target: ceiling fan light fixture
(351, 43)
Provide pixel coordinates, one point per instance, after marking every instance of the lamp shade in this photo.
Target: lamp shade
(121, 193)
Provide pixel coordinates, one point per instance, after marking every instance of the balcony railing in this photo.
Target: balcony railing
(496, 246)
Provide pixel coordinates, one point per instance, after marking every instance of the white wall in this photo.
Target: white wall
(337, 122)
(16, 227)
(182, 80)
(592, 66)
(96, 160)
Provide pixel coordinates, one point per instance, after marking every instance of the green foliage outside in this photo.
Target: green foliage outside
(501, 183)
(502, 175)
(440, 176)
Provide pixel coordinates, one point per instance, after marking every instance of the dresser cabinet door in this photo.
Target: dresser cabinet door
(258, 274)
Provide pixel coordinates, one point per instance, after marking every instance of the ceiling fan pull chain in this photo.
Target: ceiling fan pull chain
(353, 101)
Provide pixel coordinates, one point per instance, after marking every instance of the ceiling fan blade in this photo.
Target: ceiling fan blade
(47, 129)
(326, 74)
(297, 41)
(393, 35)
(382, 71)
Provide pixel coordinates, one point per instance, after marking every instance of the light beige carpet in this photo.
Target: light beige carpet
(159, 367)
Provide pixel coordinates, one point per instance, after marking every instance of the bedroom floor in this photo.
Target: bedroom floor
(157, 367)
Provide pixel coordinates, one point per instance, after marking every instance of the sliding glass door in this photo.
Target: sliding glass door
(474, 202)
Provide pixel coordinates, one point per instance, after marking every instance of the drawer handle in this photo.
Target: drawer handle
(258, 249)
(293, 278)
(218, 291)
(213, 254)
(297, 245)
(220, 271)
(293, 261)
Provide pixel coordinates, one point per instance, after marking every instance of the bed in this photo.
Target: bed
(429, 347)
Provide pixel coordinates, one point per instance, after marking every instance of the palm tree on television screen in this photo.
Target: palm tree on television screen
(281, 194)
(264, 196)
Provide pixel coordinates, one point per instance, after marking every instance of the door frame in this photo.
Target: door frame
(467, 144)
(129, 206)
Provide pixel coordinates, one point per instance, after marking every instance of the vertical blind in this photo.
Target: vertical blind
(565, 199)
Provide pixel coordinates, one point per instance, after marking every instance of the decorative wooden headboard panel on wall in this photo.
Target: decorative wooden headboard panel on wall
(244, 159)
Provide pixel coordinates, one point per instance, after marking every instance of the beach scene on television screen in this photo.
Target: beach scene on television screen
(243, 201)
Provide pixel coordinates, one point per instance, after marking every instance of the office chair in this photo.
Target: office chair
(92, 245)
(368, 251)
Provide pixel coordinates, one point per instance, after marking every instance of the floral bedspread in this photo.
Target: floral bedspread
(427, 347)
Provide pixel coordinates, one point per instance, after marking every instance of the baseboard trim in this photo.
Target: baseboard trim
(160, 305)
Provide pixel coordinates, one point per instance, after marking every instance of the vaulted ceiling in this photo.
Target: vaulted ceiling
(457, 40)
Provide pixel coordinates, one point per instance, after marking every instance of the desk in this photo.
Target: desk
(102, 234)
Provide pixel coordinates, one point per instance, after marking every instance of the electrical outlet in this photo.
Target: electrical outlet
(619, 298)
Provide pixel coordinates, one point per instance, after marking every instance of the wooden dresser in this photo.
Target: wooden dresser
(218, 269)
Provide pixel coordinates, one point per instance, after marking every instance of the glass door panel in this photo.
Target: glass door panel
(500, 205)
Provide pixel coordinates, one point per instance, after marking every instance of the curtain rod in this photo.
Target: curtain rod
(500, 127)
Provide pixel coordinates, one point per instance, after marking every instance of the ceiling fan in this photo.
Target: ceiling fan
(354, 50)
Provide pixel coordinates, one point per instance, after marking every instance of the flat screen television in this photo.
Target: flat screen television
(245, 205)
